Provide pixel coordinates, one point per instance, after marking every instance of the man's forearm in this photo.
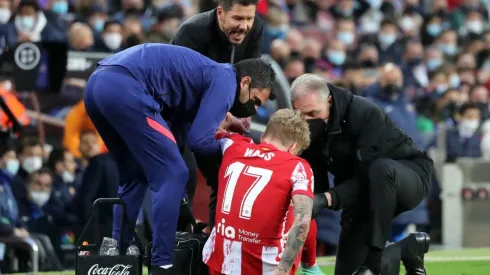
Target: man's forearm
(298, 233)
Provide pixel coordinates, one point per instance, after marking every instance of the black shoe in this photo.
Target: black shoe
(156, 270)
(363, 271)
(414, 264)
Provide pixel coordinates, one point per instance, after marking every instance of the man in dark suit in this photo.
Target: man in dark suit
(227, 34)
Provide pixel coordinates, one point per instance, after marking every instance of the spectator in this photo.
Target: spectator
(62, 164)
(433, 59)
(5, 11)
(80, 37)
(280, 52)
(311, 54)
(89, 147)
(33, 214)
(110, 38)
(415, 77)
(464, 140)
(169, 20)
(293, 69)
(77, 121)
(97, 19)
(346, 33)
(466, 61)
(132, 32)
(333, 59)
(30, 153)
(294, 38)
(388, 44)
(389, 95)
(447, 43)
(479, 95)
(432, 27)
(134, 9)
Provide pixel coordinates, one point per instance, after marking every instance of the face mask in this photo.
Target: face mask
(40, 198)
(370, 26)
(434, 29)
(32, 164)
(242, 110)
(60, 7)
(26, 22)
(4, 15)
(346, 37)
(454, 81)
(469, 126)
(386, 39)
(375, 4)
(407, 23)
(112, 40)
(391, 90)
(336, 57)
(99, 25)
(447, 49)
(441, 88)
(12, 166)
(277, 32)
(433, 64)
(474, 26)
(317, 128)
(68, 177)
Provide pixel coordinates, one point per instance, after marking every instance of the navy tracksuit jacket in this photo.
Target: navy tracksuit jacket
(141, 99)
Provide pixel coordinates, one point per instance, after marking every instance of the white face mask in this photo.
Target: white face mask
(474, 26)
(112, 40)
(40, 198)
(12, 166)
(5, 15)
(32, 164)
(467, 127)
(68, 177)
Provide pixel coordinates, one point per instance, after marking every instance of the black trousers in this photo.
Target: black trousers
(371, 203)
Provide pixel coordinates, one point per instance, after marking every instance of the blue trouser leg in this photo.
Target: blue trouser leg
(135, 117)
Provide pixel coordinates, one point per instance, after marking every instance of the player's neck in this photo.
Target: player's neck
(274, 142)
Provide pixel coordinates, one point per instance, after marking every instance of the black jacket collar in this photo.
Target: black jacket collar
(341, 100)
(222, 36)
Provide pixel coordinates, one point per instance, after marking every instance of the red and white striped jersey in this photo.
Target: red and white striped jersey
(256, 184)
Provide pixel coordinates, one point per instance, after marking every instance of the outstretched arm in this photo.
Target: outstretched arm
(298, 233)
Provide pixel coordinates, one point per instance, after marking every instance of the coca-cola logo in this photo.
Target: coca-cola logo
(118, 269)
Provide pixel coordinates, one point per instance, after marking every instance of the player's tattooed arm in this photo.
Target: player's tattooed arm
(302, 205)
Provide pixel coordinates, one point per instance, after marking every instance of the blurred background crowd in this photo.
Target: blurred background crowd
(426, 63)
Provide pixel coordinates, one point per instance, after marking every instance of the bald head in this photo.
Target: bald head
(80, 36)
(294, 39)
(391, 74)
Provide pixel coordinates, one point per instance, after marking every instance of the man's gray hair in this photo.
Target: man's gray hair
(309, 83)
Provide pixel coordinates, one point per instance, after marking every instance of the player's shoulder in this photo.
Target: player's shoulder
(228, 140)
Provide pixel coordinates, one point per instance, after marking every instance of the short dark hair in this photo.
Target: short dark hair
(261, 73)
(29, 3)
(228, 4)
(7, 144)
(109, 23)
(468, 106)
(57, 155)
(43, 170)
(28, 142)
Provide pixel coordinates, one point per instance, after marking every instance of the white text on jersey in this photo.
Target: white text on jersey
(230, 233)
(257, 153)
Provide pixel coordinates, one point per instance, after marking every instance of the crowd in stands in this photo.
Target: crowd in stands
(424, 62)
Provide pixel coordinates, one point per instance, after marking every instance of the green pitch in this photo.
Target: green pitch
(451, 262)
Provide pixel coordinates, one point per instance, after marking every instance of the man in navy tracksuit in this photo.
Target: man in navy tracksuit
(149, 97)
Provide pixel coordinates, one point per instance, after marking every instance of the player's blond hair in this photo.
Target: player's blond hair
(289, 127)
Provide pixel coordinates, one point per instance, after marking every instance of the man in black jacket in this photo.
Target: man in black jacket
(227, 34)
(378, 173)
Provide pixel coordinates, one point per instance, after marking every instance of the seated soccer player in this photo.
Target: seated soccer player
(257, 183)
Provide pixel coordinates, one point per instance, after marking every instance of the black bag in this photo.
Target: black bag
(102, 264)
(187, 257)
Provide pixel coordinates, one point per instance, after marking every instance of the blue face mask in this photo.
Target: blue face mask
(99, 25)
(433, 64)
(336, 57)
(60, 7)
(375, 4)
(27, 22)
(454, 81)
(12, 166)
(434, 29)
(386, 39)
(346, 37)
(277, 32)
(447, 49)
